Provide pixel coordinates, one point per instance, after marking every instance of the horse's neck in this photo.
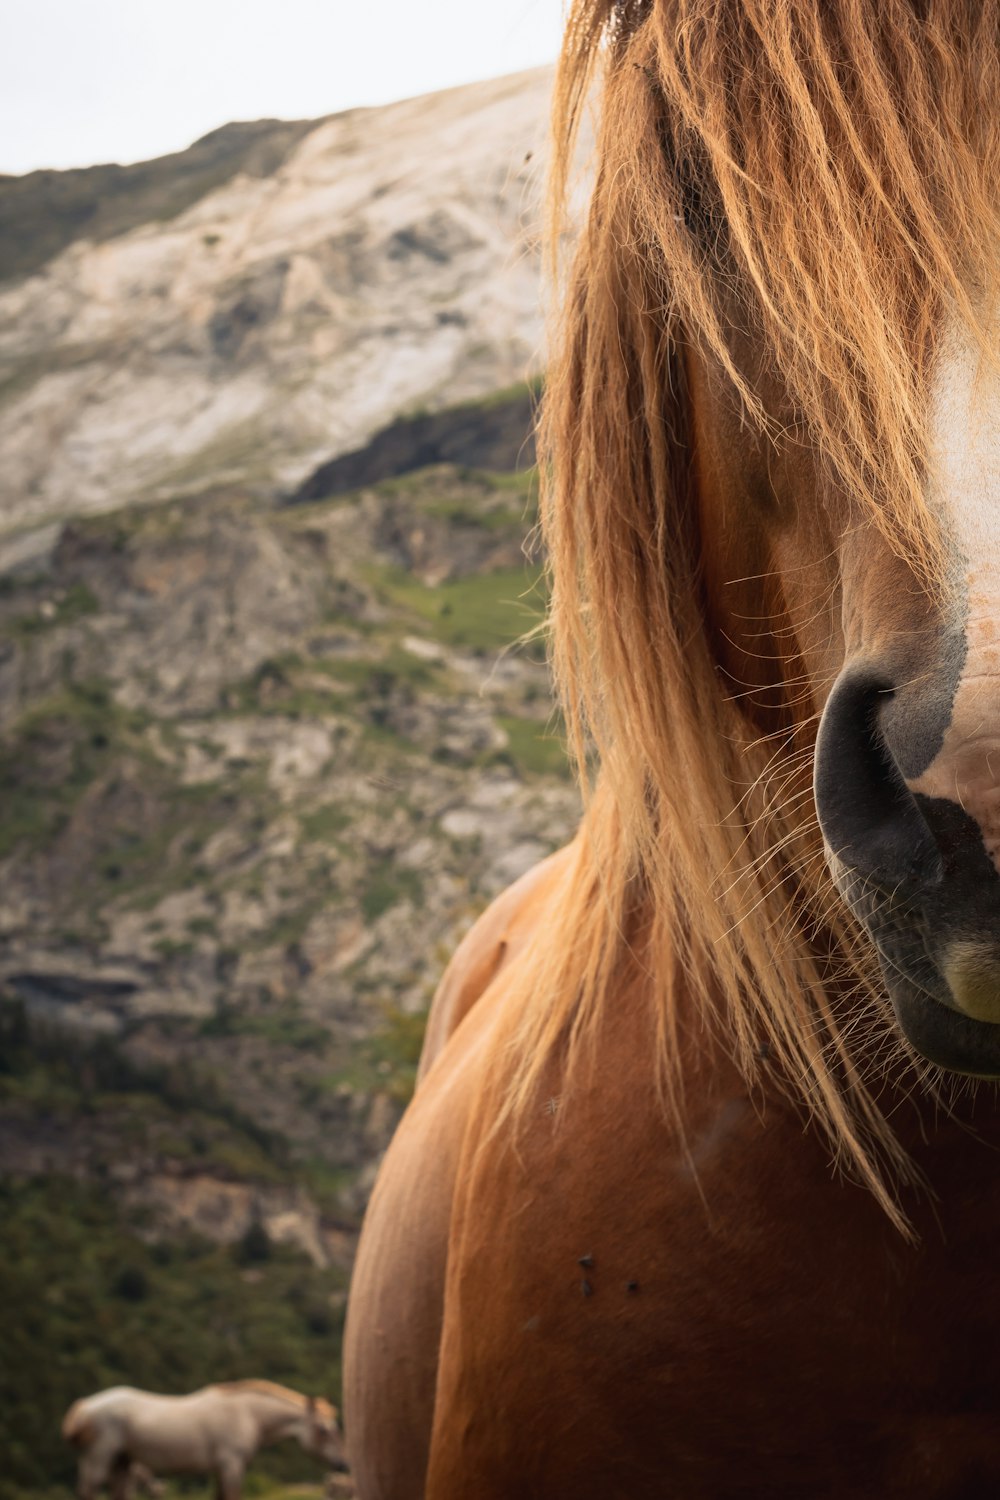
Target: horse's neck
(275, 1417)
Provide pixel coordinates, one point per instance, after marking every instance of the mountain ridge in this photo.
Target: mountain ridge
(261, 762)
(388, 262)
(42, 212)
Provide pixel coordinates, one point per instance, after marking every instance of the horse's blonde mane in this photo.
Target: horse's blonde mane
(851, 149)
(271, 1388)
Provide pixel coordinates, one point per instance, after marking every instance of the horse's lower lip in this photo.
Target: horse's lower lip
(971, 971)
(944, 1035)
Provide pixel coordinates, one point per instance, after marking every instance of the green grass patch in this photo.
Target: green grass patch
(288, 929)
(53, 754)
(386, 884)
(325, 823)
(484, 613)
(508, 393)
(276, 687)
(75, 604)
(399, 669)
(326, 1184)
(386, 1063)
(174, 948)
(533, 749)
(283, 1025)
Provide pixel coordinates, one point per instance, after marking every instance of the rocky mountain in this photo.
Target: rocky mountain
(243, 311)
(260, 767)
(268, 738)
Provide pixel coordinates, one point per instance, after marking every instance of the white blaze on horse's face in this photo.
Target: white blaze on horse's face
(964, 413)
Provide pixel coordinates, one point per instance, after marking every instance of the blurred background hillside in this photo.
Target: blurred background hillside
(266, 744)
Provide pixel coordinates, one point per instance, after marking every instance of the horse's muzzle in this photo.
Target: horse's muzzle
(916, 872)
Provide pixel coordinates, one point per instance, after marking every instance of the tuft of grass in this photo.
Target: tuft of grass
(485, 612)
(283, 1025)
(54, 753)
(533, 749)
(274, 687)
(509, 393)
(324, 823)
(386, 1063)
(75, 604)
(386, 884)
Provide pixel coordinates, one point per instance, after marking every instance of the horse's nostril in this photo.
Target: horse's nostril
(868, 815)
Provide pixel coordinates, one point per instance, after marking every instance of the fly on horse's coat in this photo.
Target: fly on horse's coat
(123, 1433)
(734, 1046)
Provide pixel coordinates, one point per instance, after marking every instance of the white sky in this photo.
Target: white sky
(84, 81)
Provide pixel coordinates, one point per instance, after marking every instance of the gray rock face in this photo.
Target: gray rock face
(261, 764)
(259, 769)
(498, 435)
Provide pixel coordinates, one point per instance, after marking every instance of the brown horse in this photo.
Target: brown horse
(695, 1197)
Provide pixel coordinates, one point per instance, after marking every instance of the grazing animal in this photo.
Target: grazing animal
(698, 1194)
(124, 1434)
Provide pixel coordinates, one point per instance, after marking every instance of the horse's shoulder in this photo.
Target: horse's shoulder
(495, 937)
